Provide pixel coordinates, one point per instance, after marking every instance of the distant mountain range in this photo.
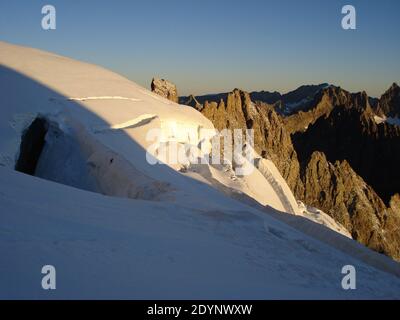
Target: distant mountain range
(284, 103)
(338, 151)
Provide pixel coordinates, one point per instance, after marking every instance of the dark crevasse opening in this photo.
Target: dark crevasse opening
(65, 153)
(50, 153)
(32, 143)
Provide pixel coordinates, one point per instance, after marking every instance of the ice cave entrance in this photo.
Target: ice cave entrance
(50, 153)
(32, 143)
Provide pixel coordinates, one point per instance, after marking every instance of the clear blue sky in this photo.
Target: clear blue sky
(213, 46)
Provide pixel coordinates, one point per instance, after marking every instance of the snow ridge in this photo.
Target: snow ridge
(100, 98)
(134, 123)
(262, 166)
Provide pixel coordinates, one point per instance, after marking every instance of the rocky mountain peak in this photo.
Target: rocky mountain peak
(340, 192)
(324, 102)
(389, 103)
(192, 102)
(394, 86)
(165, 89)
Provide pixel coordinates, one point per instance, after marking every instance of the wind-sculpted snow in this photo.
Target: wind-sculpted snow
(137, 122)
(103, 98)
(96, 98)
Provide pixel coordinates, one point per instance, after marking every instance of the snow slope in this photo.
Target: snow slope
(130, 229)
(107, 117)
(108, 247)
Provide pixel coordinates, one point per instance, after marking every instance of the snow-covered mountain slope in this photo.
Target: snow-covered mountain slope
(108, 117)
(108, 247)
(135, 230)
(97, 116)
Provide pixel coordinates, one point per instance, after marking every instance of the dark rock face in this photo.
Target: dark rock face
(303, 92)
(389, 103)
(32, 142)
(290, 102)
(165, 89)
(360, 189)
(266, 96)
(340, 192)
(372, 150)
(322, 105)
